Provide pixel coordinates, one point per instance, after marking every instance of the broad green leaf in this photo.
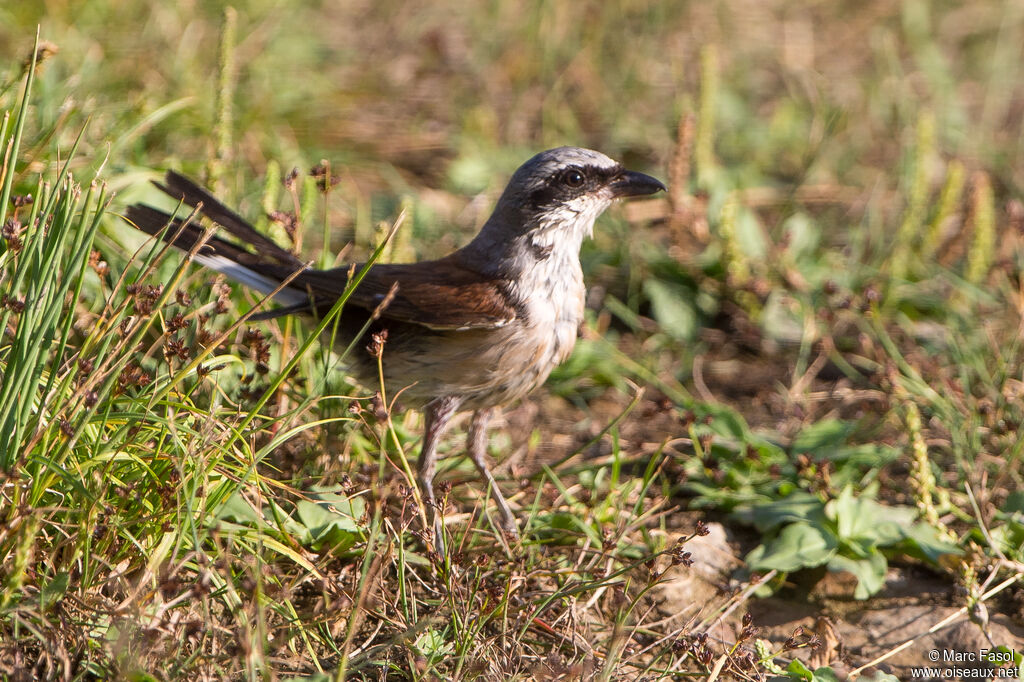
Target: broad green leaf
(432, 644)
(672, 308)
(798, 671)
(798, 506)
(799, 545)
(864, 455)
(728, 422)
(928, 544)
(54, 590)
(237, 509)
(1014, 503)
(332, 522)
(803, 235)
(825, 674)
(780, 320)
(862, 519)
(750, 234)
(822, 435)
(870, 572)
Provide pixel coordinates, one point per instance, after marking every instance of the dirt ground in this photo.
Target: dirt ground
(918, 611)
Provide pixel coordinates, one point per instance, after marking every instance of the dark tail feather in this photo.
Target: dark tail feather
(181, 188)
(154, 221)
(263, 270)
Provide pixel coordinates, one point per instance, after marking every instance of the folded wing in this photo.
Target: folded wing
(439, 294)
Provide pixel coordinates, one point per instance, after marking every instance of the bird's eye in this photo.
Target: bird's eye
(573, 178)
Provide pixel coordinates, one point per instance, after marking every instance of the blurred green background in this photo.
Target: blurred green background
(826, 92)
(825, 310)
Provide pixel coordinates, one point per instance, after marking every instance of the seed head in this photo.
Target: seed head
(377, 341)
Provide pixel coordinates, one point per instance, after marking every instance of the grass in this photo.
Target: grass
(813, 342)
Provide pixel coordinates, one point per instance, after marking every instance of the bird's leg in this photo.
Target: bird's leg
(478, 453)
(437, 414)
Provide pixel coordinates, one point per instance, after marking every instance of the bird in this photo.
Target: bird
(469, 332)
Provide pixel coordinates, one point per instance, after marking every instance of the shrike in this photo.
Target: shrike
(474, 330)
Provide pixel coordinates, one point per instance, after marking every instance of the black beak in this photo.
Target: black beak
(633, 184)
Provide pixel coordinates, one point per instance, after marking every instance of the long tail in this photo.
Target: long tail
(263, 268)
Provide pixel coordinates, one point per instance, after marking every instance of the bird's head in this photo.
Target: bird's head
(552, 200)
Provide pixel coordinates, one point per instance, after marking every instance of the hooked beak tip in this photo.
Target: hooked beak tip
(633, 184)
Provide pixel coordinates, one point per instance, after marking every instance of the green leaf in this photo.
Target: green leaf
(237, 509)
(825, 674)
(53, 591)
(779, 320)
(566, 527)
(316, 515)
(764, 653)
(141, 676)
(798, 671)
(710, 495)
(432, 644)
(802, 235)
(864, 521)
(827, 433)
(928, 543)
(870, 572)
(332, 520)
(799, 545)
(798, 506)
(727, 422)
(1014, 503)
(750, 234)
(863, 455)
(671, 307)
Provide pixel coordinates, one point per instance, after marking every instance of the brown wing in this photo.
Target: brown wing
(436, 294)
(440, 294)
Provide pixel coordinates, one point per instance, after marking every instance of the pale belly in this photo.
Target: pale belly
(485, 367)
